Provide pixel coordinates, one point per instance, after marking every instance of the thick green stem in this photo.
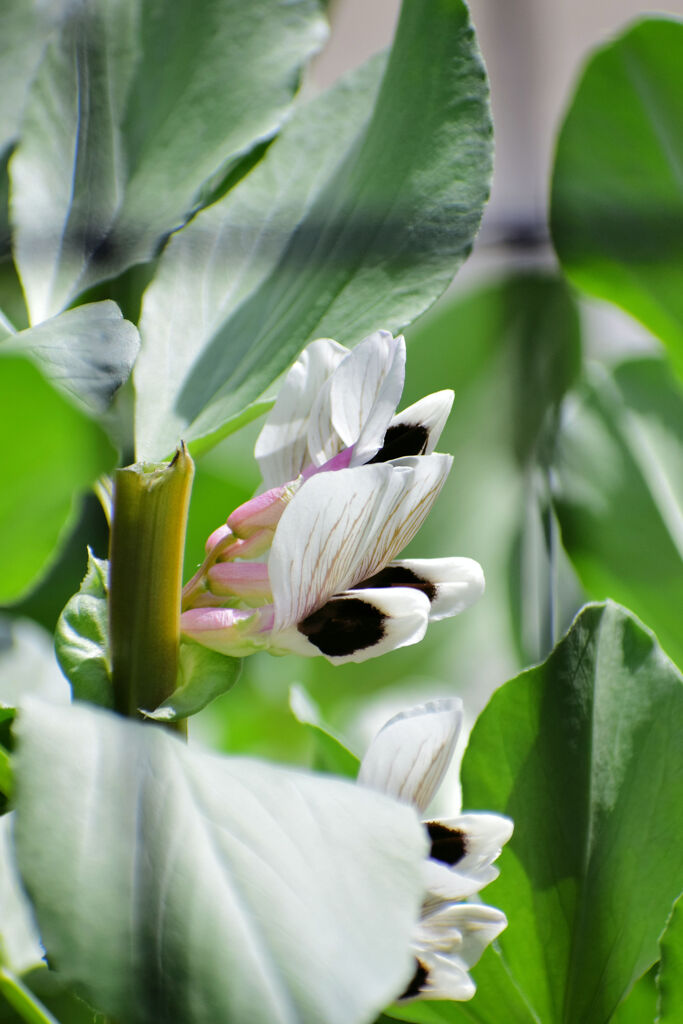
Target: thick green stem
(146, 556)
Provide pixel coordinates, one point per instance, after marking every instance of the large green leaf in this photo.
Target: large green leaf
(82, 637)
(584, 753)
(617, 191)
(51, 452)
(234, 891)
(86, 352)
(20, 947)
(134, 106)
(24, 28)
(356, 218)
(670, 976)
(618, 491)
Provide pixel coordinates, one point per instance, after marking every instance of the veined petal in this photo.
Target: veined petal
(234, 631)
(342, 527)
(247, 581)
(417, 429)
(356, 404)
(357, 625)
(410, 755)
(282, 446)
(451, 584)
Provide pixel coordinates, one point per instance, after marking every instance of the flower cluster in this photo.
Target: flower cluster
(348, 483)
(408, 760)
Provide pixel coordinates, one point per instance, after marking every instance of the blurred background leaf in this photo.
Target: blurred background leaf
(670, 974)
(617, 486)
(617, 187)
(51, 453)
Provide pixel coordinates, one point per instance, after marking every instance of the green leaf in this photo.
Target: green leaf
(51, 452)
(28, 666)
(87, 352)
(640, 1005)
(20, 947)
(670, 976)
(134, 106)
(235, 890)
(23, 32)
(82, 637)
(584, 753)
(357, 218)
(618, 492)
(329, 754)
(203, 675)
(617, 190)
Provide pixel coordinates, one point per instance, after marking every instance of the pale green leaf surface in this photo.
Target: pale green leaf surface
(617, 190)
(670, 975)
(203, 675)
(51, 452)
(329, 753)
(20, 947)
(584, 753)
(87, 352)
(82, 637)
(28, 666)
(235, 890)
(640, 1005)
(618, 491)
(24, 28)
(382, 192)
(133, 107)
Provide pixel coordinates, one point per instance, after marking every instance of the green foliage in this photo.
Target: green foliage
(51, 451)
(205, 860)
(126, 119)
(82, 637)
(617, 196)
(203, 675)
(618, 473)
(328, 752)
(670, 974)
(356, 218)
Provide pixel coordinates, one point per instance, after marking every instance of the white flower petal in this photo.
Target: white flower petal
(440, 977)
(483, 837)
(462, 930)
(445, 885)
(282, 446)
(342, 527)
(417, 429)
(357, 625)
(410, 755)
(451, 584)
(356, 404)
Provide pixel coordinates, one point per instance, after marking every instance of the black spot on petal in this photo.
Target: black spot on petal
(399, 576)
(403, 439)
(449, 845)
(344, 625)
(417, 982)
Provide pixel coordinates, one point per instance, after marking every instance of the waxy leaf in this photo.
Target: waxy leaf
(20, 947)
(584, 753)
(82, 637)
(86, 352)
(51, 452)
(203, 675)
(236, 891)
(617, 473)
(617, 191)
(356, 219)
(328, 754)
(134, 106)
(670, 974)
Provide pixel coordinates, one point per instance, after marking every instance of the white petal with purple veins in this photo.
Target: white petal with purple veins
(282, 446)
(410, 755)
(342, 527)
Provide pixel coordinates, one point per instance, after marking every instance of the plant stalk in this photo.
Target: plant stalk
(23, 1001)
(146, 560)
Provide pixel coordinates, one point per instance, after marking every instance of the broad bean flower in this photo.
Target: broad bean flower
(408, 760)
(348, 483)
